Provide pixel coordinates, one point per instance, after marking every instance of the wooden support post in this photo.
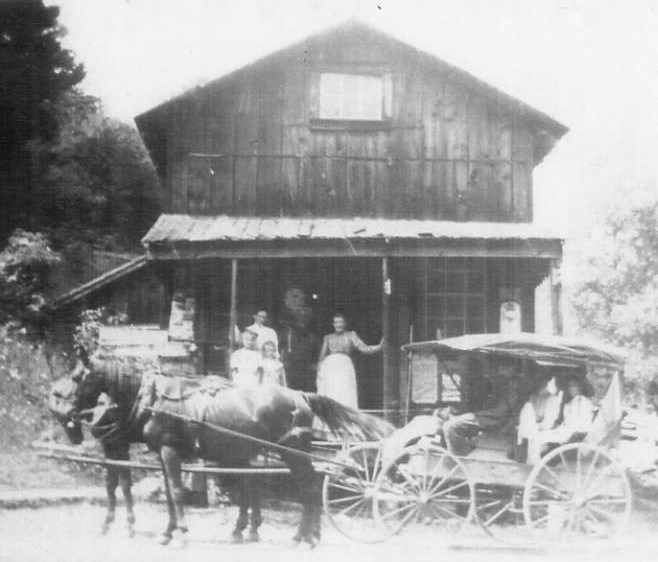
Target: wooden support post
(391, 383)
(233, 318)
(556, 297)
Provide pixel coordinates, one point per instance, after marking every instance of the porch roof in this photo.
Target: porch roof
(177, 236)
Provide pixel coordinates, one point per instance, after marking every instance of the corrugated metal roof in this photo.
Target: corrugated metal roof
(191, 229)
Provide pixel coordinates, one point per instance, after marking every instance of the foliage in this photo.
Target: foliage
(87, 332)
(101, 188)
(25, 266)
(25, 377)
(36, 72)
(615, 293)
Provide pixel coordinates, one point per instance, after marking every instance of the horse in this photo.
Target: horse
(111, 423)
(179, 426)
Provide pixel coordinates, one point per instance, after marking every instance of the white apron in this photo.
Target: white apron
(337, 379)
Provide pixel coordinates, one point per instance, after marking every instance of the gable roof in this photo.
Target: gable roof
(355, 27)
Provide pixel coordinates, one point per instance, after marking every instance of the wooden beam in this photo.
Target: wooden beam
(556, 297)
(233, 319)
(297, 248)
(391, 383)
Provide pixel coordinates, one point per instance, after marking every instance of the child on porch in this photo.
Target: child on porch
(272, 371)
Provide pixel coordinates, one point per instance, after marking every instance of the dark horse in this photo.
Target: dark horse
(271, 413)
(112, 423)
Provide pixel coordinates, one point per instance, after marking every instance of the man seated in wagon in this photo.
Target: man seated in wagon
(498, 412)
(495, 399)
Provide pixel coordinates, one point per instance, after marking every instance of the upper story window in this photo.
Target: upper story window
(357, 97)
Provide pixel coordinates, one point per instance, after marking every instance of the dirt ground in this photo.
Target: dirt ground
(70, 533)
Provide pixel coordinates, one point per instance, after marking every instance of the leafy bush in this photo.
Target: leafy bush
(25, 266)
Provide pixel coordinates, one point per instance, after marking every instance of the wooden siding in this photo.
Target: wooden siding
(252, 143)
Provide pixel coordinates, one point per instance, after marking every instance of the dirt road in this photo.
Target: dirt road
(70, 533)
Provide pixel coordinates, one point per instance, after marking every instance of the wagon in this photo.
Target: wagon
(577, 490)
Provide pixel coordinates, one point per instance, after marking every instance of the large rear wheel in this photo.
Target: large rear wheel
(577, 491)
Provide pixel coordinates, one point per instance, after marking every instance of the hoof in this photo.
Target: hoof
(253, 536)
(164, 540)
(181, 539)
(236, 537)
(105, 528)
(130, 532)
(298, 538)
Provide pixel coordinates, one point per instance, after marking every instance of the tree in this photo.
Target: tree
(615, 287)
(101, 189)
(36, 73)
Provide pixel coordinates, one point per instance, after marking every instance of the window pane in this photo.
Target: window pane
(350, 96)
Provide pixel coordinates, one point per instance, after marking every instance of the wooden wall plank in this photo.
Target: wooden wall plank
(445, 153)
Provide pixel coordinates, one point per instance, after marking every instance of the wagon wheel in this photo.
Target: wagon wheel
(577, 490)
(424, 484)
(499, 511)
(347, 494)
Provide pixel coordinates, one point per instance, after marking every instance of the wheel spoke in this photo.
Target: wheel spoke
(554, 493)
(439, 508)
(539, 521)
(346, 488)
(609, 516)
(607, 501)
(399, 510)
(345, 499)
(409, 477)
(444, 478)
(438, 493)
(592, 466)
(497, 514)
(551, 473)
(426, 458)
(350, 507)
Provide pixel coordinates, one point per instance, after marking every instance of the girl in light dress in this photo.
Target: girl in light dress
(271, 368)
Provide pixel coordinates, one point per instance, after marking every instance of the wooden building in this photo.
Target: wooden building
(367, 176)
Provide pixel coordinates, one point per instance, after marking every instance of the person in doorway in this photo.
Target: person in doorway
(246, 362)
(336, 374)
(299, 349)
(272, 372)
(262, 331)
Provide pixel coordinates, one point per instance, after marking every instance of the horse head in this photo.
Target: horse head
(74, 397)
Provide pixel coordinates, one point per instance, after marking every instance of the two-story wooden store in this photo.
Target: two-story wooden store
(351, 172)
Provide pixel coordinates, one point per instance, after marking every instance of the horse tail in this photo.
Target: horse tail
(343, 419)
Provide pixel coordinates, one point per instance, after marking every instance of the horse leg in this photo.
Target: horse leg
(243, 518)
(304, 474)
(111, 482)
(168, 533)
(254, 501)
(171, 459)
(121, 452)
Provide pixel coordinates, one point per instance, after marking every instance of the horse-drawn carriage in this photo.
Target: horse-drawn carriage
(373, 490)
(577, 489)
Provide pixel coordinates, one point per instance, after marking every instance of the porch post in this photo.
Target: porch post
(233, 318)
(556, 297)
(391, 386)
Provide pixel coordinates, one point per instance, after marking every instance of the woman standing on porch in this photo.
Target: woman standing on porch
(336, 375)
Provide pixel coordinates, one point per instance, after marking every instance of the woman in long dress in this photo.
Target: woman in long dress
(336, 374)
